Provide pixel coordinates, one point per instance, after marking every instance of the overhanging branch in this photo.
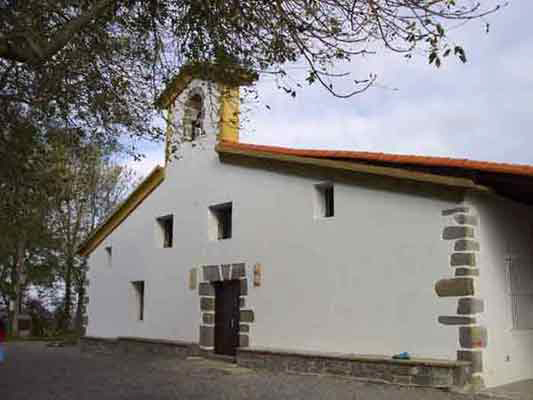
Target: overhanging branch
(25, 48)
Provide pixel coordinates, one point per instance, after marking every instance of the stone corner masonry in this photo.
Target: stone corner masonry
(460, 232)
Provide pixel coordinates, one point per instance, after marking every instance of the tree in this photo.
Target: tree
(55, 188)
(98, 64)
(27, 183)
(92, 185)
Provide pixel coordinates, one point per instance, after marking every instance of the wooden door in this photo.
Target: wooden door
(227, 317)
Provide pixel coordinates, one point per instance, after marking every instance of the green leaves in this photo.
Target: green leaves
(105, 77)
(434, 58)
(460, 53)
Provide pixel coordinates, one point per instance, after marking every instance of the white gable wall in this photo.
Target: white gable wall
(505, 229)
(360, 282)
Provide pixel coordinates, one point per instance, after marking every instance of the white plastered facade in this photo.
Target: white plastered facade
(360, 282)
(504, 235)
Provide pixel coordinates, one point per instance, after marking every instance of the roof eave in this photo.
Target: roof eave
(356, 167)
(122, 211)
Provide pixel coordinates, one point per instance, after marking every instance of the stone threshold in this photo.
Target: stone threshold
(442, 374)
(155, 341)
(99, 339)
(371, 358)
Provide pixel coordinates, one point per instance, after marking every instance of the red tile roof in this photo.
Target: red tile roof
(408, 160)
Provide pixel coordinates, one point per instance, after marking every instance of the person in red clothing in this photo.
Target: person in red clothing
(2, 339)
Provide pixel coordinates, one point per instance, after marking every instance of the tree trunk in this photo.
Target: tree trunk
(19, 269)
(78, 319)
(65, 320)
(81, 306)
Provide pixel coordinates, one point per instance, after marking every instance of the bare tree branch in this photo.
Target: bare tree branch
(24, 47)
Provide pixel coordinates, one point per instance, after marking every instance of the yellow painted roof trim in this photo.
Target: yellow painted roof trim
(399, 173)
(122, 211)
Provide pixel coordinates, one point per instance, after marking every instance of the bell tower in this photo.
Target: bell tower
(202, 104)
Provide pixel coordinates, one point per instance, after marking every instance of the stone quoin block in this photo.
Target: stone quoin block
(463, 259)
(456, 320)
(242, 302)
(472, 337)
(207, 336)
(455, 210)
(206, 289)
(208, 318)
(244, 341)
(244, 328)
(469, 306)
(237, 271)
(477, 382)
(207, 303)
(457, 232)
(455, 287)
(193, 278)
(246, 316)
(211, 273)
(464, 219)
(475, 357)
(244, 287)
(466, 272)
(257, 275)
(226, 270)
(466, 245)
(86, 300)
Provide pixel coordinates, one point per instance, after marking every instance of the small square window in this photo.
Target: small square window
(138, 286)
(166, 228)
(325, 201)
(220, 223)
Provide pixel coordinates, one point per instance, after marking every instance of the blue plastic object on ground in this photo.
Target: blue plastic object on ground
(402, 356)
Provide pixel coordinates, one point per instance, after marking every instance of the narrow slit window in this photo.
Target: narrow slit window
(193, 117)
(325, 200)
(220, 221)
(166, 227)
(328, 202)
(109, 255)
(521, 292)
(138, 286)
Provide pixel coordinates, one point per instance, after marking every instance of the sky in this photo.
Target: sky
(481, 110)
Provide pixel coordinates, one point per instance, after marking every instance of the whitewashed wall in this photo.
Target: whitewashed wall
(360, 282)
(505, 232)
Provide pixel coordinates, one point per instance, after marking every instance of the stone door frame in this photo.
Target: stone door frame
(206, 291)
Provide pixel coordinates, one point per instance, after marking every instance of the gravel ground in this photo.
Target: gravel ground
(33, 371)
